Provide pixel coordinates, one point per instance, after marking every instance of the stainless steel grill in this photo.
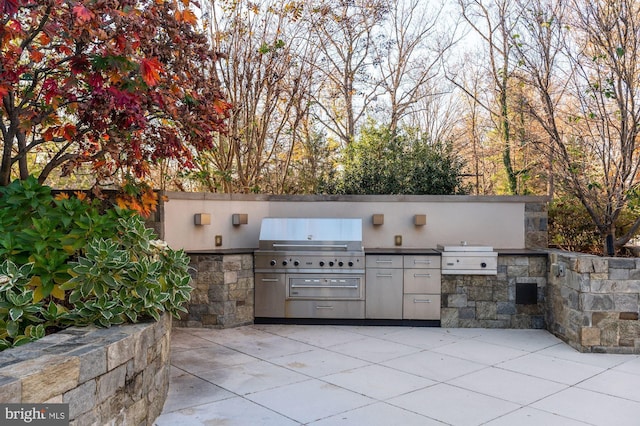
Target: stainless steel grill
(310, 268)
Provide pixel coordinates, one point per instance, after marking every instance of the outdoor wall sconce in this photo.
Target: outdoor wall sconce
(202, 219)
(420, 220)
(239, 219)
(377, 219)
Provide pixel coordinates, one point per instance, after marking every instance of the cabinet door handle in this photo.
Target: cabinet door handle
(421, 300)
(428, 262)
(324, 307)
(269, 280)
(384, 276)
(384, 261)
(422, 275)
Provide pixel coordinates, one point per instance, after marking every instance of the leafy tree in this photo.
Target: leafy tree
(117, 85)
(590, 115)
(383, 161)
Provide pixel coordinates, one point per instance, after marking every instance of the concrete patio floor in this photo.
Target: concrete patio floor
(352, 375)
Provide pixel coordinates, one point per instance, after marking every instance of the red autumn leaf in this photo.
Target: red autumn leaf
(48, 134)
(220, 106)
(81, 13)
(68, 131)
(189, 17)
(36, 55)
(9, 7)
(150, 70)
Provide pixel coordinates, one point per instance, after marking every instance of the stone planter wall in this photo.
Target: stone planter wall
(593, 302)
(223, 291)
(491, 302)
(118, 375)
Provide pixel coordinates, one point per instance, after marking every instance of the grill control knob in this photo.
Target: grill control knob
(284, 263)
(272, 263)
(321, 263)
(350, 263)
(484, 265)
(341, 263)
(296, 263)
(330, 263)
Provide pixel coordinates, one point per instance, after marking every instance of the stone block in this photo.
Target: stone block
(596, 302)
(618, 274)
(456, 300)
(55, 376)
(469, 323)
(518, 271)
(628, 316)
(501, 292)
(599, 265)
(609, 334)
(80, 399)
(448, 317)
(505, 308)
(590, 336)
(93, 361)
(109, 383)
(486, 310)
(467, 313)
(10, 390)
(629, 286)
(448, 286)
(506, 260)
(522, 261)
(232, 263)
(136, 414)
(495, 323)
(601, 286)
(625, 302)
(538, 266)
(482, 292)
(599, 318)
(621, 263)
(120, 352)
(538, 322)
(230, 277)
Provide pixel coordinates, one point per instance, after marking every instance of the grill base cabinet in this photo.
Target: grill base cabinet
(384, 287)
(270, 292)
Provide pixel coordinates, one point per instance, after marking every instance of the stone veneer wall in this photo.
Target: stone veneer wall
(118, 375)
(536, 221)
(489, 301)
(593, 302)
(223, 291)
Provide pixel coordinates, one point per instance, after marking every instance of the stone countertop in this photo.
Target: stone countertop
(386, 250)
(401, 250)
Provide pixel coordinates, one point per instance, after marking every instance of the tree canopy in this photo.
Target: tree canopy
(386, 161)
(113, 85)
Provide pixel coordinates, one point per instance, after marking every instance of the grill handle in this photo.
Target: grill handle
(323, 286)
(332, 246)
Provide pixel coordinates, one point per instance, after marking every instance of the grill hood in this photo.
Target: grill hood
(335, 234)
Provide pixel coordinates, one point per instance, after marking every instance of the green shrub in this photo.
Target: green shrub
(65, 262)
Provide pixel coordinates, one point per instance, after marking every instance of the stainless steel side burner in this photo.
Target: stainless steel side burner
(467, 259)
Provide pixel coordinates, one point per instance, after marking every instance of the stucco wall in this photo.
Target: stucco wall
(501, 222)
